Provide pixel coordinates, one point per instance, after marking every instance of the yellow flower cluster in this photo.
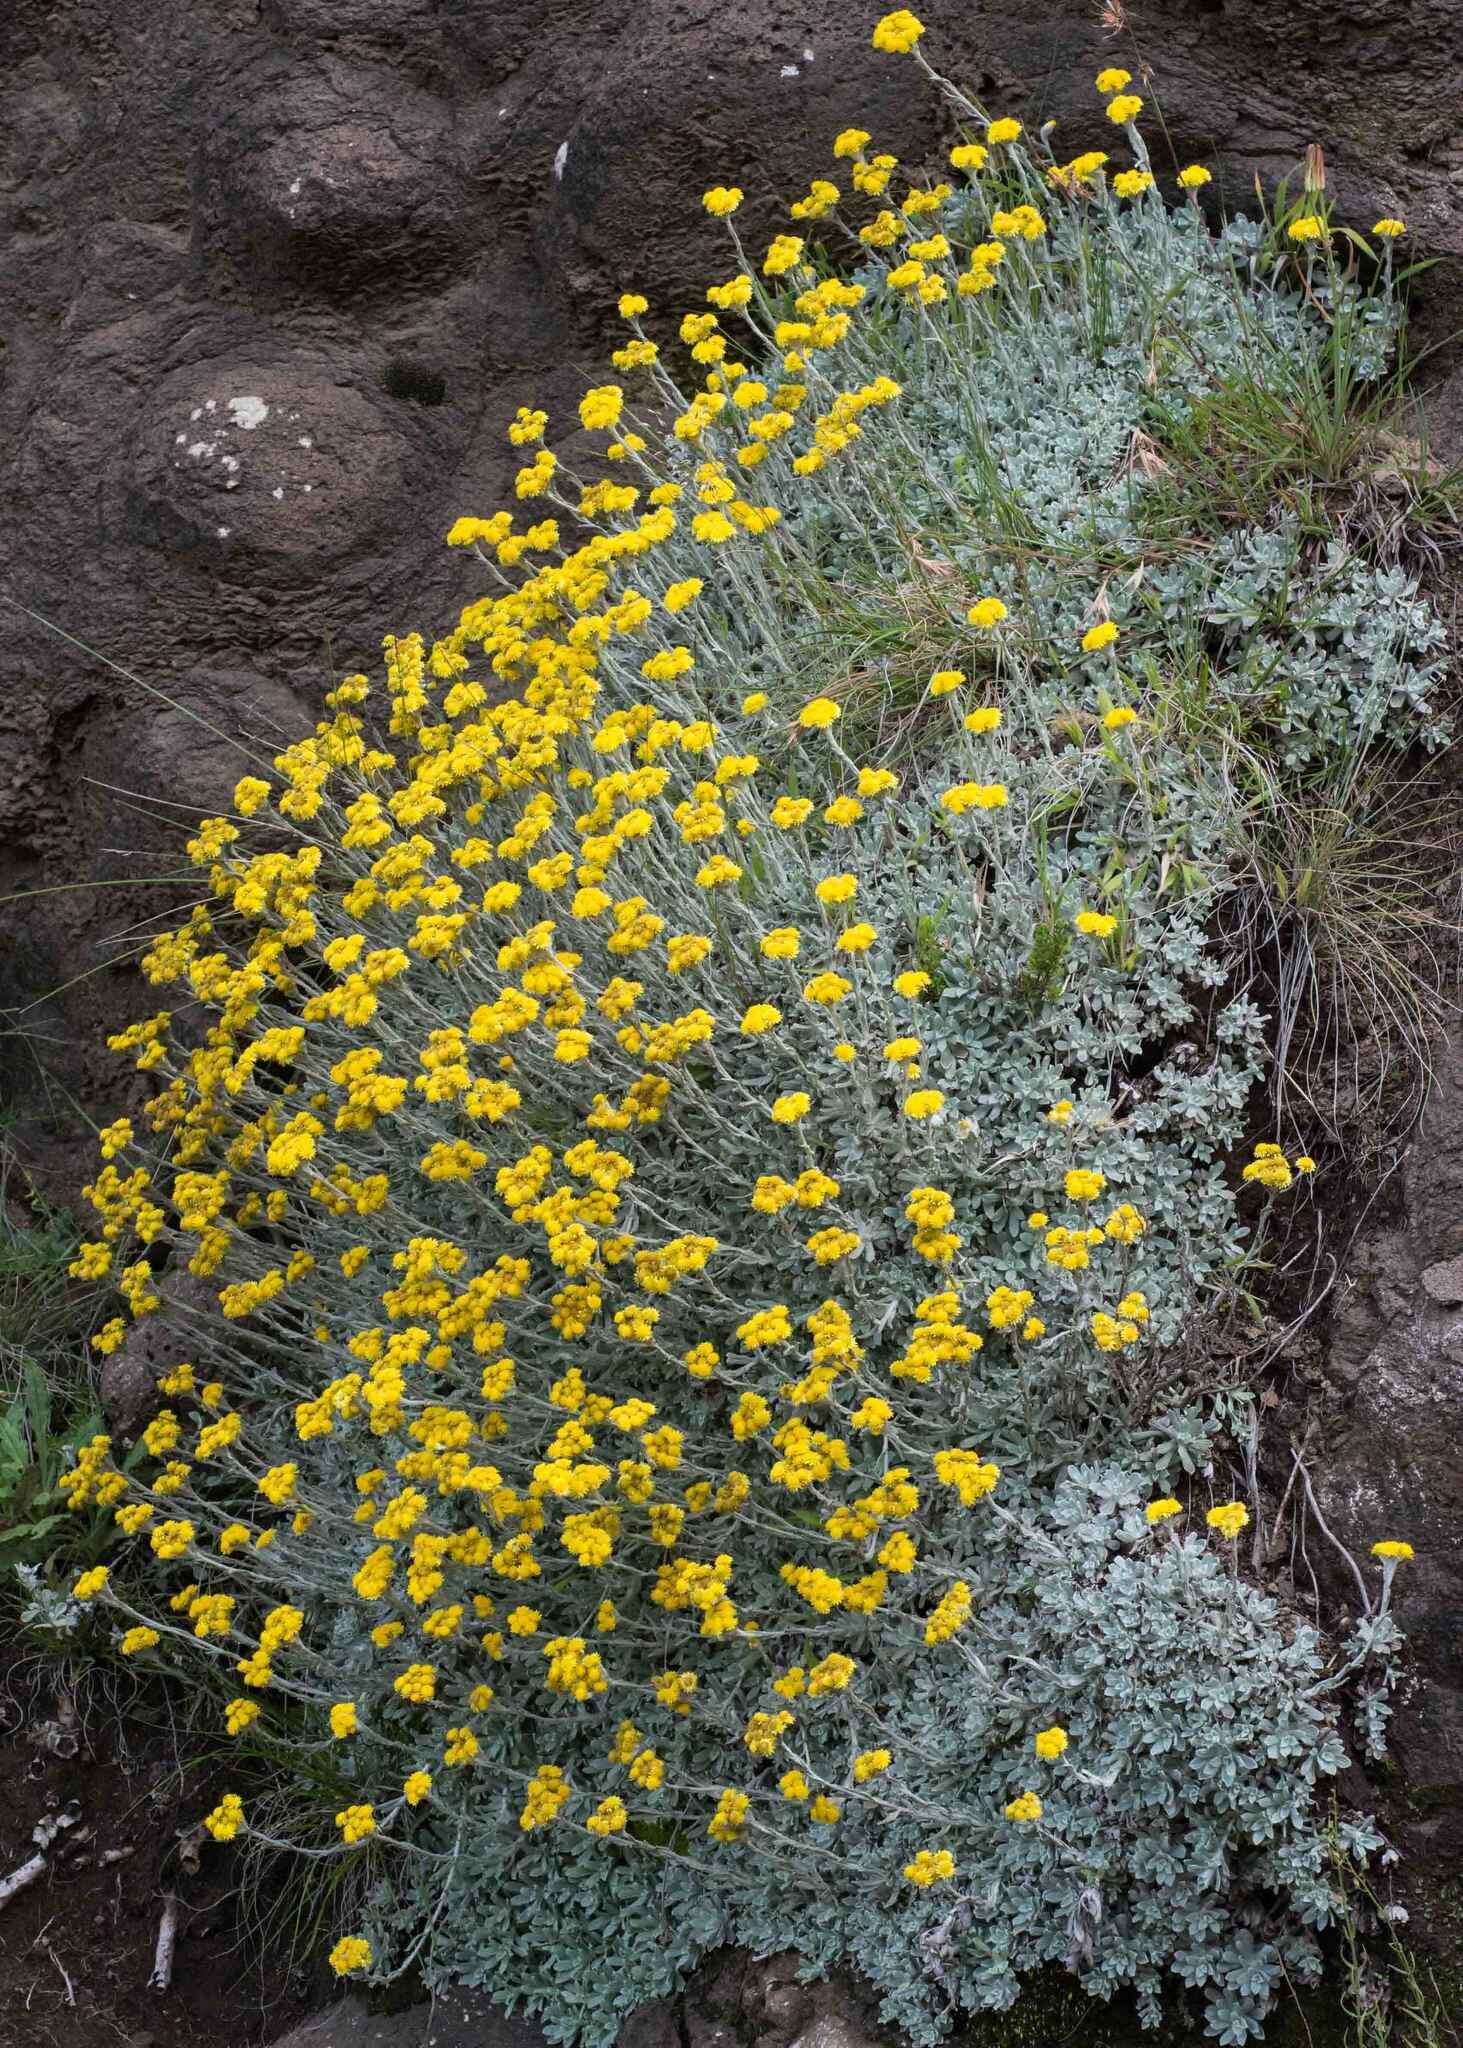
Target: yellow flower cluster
(531, 963)
(1270, 1169)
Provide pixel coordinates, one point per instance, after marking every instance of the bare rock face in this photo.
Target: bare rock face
(1389, 1469)
(274, 469)
(735, 1998)
(458, 2019)
(724, 2001)
(336, 175)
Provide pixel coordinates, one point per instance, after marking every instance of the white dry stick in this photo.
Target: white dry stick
(20, 1877)
(43, 1834)
(167, 1935)
(65, 1979)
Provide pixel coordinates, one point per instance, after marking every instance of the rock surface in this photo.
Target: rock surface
(152, 1348)
(1388, 1466)
(733, 1998)
(463, 2019)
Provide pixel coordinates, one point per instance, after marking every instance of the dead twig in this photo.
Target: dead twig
(167, 1935)
(43, 1835)
(1334, 1541)
(61, 1968)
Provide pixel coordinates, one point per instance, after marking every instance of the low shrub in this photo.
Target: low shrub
(694, 1112)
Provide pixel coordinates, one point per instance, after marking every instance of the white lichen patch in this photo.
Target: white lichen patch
(247, 412)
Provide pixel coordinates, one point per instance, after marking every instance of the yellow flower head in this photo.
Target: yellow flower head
(986, 613)
(1123, 108)
(897, 33)
(837, 889)
(355, 1823)
(1113, 79)
(760, 1017)
(1192, 176)
(1393, 1553)
(1099, 636)
(784, 253)
(819, 714)
(600, 406)
(226, 1818)
(1005, 130)
(1229, 1518)
(1050, 1743)
(1161, 1510)
(722, 200)
(930, 1866)
(976, 796)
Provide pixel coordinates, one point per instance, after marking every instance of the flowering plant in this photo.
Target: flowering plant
(686, 1117)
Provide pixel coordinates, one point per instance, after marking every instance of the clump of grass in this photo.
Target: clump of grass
(1344, 916)
(48, 1407)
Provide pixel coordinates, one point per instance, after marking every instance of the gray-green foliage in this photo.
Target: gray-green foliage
(1191, 1704)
